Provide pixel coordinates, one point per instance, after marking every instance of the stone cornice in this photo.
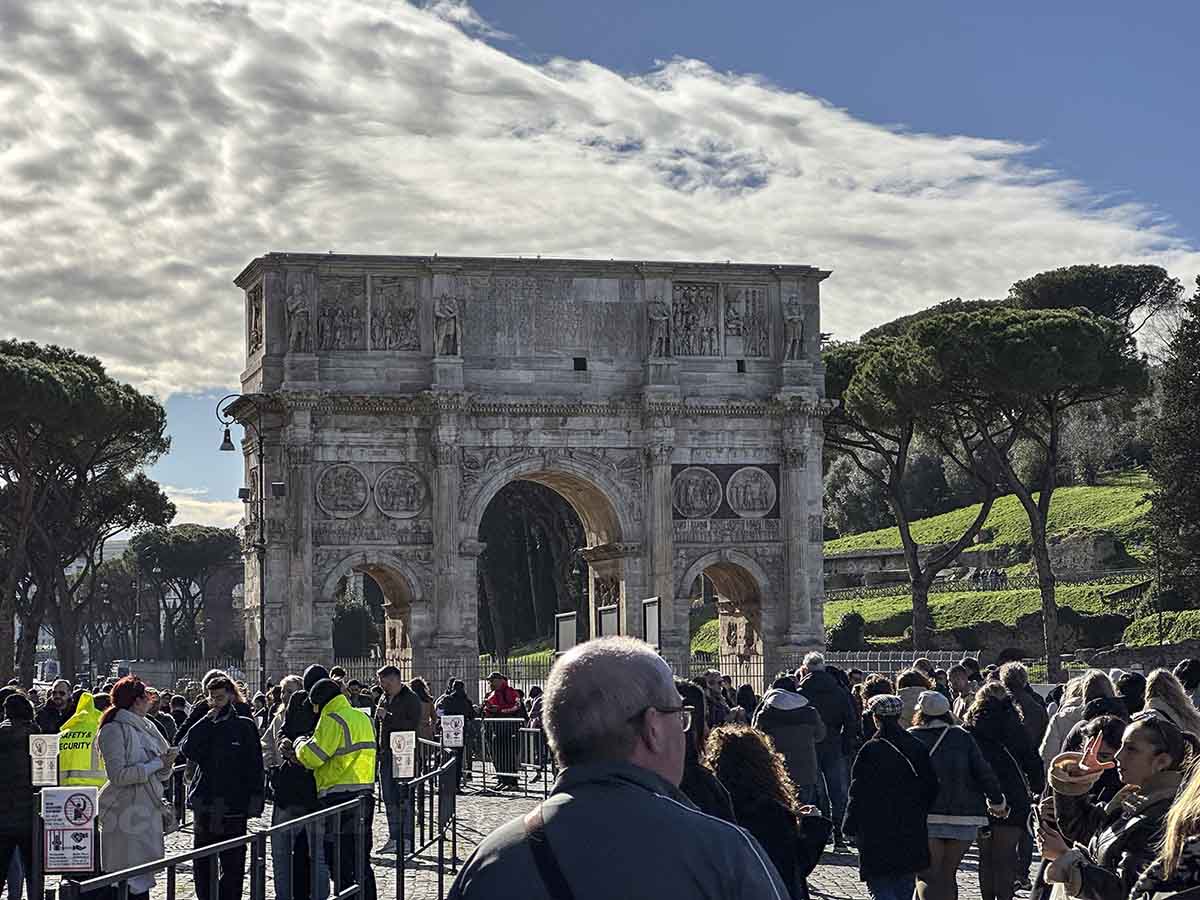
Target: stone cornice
(467, 265)
(433, 404)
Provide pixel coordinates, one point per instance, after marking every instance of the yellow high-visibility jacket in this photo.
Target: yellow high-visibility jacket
(79, 760)
(341, 752)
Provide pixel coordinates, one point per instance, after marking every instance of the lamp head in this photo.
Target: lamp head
(227, 443)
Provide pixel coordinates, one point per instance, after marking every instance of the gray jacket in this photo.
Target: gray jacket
(796, 728)
(619, 830)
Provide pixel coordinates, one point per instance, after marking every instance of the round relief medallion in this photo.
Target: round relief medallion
(696, 493)
(400, 492)
(342, 491)
(751, 492)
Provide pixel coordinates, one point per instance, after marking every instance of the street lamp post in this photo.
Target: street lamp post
(278, 489)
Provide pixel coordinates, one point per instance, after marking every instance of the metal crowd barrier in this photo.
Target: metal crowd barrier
(537, 762)
(257, 842)
(432, 801)
(512, 756)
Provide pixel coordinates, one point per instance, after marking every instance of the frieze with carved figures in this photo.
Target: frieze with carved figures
(725, 491)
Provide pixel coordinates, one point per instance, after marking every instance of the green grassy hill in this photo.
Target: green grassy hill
(889, 616)
(1119, 505)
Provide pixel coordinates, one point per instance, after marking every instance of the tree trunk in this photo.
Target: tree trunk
(495, 614)
(533, 591)
(27, 650)
(16, 566)
(66, 643)
(922, 624)
(1046, 584)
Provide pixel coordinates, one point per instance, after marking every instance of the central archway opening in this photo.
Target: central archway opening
(531, 568)
(372, 606)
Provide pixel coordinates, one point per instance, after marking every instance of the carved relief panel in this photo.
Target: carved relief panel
(695, 318)
(342, 491)
(342, 321)
(747, 330)
(394, 320)
(372, 503)
(725, 504)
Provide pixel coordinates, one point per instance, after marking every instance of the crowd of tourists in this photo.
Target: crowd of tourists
(702, 788)
(699, 789)
(313, 741)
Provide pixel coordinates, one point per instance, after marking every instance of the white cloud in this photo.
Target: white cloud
(149, 150)
(192, 507)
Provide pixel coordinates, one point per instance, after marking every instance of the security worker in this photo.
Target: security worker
(79, 761)
(341, 755)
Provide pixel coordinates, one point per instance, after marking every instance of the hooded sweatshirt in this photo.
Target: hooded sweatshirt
(796, 728)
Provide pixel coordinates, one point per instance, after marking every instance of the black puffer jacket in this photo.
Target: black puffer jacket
(704, 789)
(835, 706)
(1006, 746)
(16, 777)
(50, 718)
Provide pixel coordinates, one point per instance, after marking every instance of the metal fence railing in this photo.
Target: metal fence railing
(986, 582)
(430, 808)
(256, 843)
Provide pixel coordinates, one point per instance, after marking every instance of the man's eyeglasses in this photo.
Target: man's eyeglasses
(685, 714)
(58, 694)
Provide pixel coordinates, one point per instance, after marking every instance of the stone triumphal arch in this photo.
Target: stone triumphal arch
(675, 406)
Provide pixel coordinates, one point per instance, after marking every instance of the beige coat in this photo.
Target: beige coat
(131, 811)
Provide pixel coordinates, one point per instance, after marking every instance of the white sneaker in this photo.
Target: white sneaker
(389, 847)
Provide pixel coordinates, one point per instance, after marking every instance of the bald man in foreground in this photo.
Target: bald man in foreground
(616, 824)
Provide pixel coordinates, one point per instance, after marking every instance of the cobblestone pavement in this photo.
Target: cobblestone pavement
(836, 878)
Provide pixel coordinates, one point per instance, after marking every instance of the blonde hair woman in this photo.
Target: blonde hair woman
(1165, 693)
(1177, 866)
(1079, 692)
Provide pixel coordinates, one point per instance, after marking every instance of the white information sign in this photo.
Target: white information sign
(69, 817)
(452, 731)
(43, 753)
(404, 754)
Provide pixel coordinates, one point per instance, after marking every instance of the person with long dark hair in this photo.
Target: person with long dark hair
(138, 762)
(699, 783)
(892, 788)
(994, 720)
(764, 801)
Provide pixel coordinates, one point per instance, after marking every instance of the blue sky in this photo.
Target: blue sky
(921, 151)
(1107, 90)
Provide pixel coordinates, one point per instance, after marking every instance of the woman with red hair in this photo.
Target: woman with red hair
(138, 761)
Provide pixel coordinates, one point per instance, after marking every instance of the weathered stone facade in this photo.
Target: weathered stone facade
(676, 406)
